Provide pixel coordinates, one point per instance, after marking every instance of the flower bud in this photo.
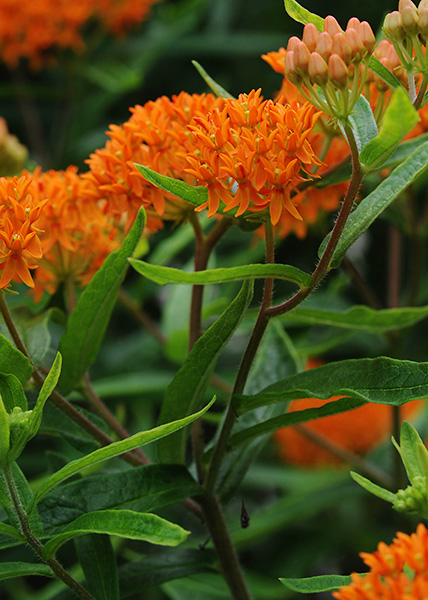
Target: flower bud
(331, 26)
(318, 69)
(342, 47)
(337, 71)
(410, 19)
(292, 43)
(423, 23)
(423, 4)
(310, 36)
(324, 45)
(301, 57)
(353, 23)
(367, 37)
(402, 4)
(290, 69)
(393, 26)
(357, 48)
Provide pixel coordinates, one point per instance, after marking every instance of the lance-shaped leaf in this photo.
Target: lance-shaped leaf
(373, 488)
(186, 390)
(381, 380)
(4, 434)
(216, 87)
(362, 318)
(87, 323)
(12, 392)
(115, 449)
(404, 150)
(97, 557)
(301, 15)
(400, 118)
(377, 201)
(31, 427)
(294, 418)
(194, 194)
(363, 123)
(123, 523)
(164, 275)
(13, 361)
(384, 73)
(316, 585)
(9, 570)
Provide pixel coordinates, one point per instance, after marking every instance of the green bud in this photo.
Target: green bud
(18, 422)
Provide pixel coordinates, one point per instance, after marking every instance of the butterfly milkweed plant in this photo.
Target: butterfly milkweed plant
(213, 319)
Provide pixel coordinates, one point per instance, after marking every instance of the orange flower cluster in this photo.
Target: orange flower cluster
(359, 430)
(156, 136)
(252, 153)
(32, 30)
(20, 246)
(397, 572)
(76, 236)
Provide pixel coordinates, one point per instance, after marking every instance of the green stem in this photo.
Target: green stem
(34, 543)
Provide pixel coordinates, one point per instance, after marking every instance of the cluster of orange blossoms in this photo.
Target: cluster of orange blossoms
(397, 572)
(358, 431)
(32, 30)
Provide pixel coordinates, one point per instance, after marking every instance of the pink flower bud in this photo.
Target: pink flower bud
(310, 36)
(357, 48)
(301, 57)
(367, 37)
(292, 43)
(290, 69)
(342, 47)
(337, 71)
(423, 23)
(331, 26)
(324, 45)
(318, 69)
(423, 4)
(402, 4)
(410, 19)
(353, 23)
(393, 25)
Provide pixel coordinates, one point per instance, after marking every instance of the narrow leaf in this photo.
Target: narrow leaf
(363, 123)
(164, 275)
(294, 418)
(115, 449)
(4, 434)
(98, 560)
(380, 380)
(13, 361)
(12, 392)
(374, 489)
(399, 119)
(186, 390)
(362, 318)
(87, 323)
(377, 201)
(384, 73)
(11, 531)
(404, 150)
(194, 194)
(8, 570)
(216, 87)
(316, 585)
(301, 15)
(123, 523)
(410, 441)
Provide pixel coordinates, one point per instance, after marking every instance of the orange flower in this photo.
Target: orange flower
(20, 246)
(359, 430)
(397, 572)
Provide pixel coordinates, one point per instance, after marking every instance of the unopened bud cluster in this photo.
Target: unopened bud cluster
(335, 60)
(413, 499)
(407, 29)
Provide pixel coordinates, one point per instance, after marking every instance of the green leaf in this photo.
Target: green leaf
(294, 418)
(164, 275)
(115, 449)
(301, 15)
(380, 380)
(145, 489)
(363, 123)
(87, 323)
(377, 201)
(98, 560)
(410, 442)
(12, 392)
(164, 566)
(35, 418)
(384, 73)
(362, 318)
(13, 361)
(194, 194)
(11, 532)
(404, 150)
(186, 390)
(216, 88)
(8, 570)
(399, 119)
(25, 496)
(4, 434)
(316, 585)
(373, 488)
(123, 523)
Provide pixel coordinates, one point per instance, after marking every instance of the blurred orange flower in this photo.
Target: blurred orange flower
(397, 572)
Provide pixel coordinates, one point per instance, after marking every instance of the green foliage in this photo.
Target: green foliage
(193, 194)
(216, 88)
(316, 585)
(9, 570)
(363, 124)
(98, 560)
(301, 15)
(13, 361)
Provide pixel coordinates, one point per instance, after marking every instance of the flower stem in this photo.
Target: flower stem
(34, 543)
